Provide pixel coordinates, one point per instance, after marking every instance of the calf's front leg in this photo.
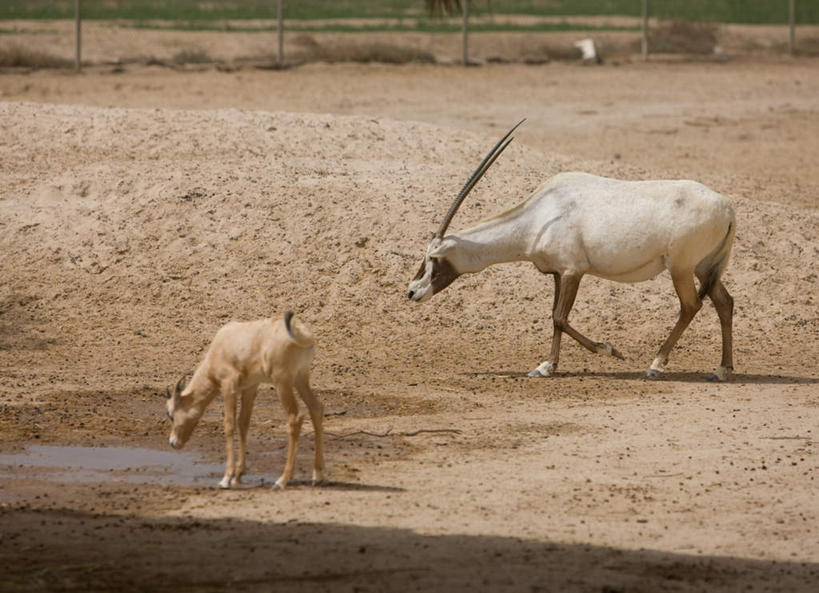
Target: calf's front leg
(248, 398)
(230, 429)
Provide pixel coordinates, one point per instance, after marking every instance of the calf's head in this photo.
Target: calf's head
(183, 414)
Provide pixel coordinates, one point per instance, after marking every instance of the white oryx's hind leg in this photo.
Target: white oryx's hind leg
(724, 304)
(690, 303)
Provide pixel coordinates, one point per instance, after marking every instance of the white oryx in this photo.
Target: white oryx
(576, 224)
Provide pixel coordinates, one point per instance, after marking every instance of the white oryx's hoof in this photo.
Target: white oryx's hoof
(655, 369)
(280, 484)
(225, 483)
(546, 369)
(607, 348)
(318, 477)
(721, 374)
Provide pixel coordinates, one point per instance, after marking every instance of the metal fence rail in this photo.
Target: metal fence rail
(469, 15)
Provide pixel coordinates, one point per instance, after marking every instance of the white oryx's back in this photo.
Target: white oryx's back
(627, 231)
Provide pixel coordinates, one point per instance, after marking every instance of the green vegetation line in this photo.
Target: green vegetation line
(720, 11)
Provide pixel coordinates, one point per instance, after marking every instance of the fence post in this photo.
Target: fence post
(77, 35)
(280, 31)
(644, 41)
(465, 33)
(792, 25)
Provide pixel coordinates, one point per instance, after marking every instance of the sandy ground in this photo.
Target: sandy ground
(142, 209)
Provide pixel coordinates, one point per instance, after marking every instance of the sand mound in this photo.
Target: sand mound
(129, 236)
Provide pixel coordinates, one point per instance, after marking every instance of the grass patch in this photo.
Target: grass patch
(14, 55)
(723, 11)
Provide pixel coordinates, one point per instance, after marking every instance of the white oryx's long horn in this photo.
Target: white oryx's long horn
(476, 176)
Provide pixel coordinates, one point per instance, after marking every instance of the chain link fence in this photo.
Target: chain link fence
(660, 26)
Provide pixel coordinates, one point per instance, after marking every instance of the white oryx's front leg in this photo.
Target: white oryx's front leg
(565, 293)
(547, 367)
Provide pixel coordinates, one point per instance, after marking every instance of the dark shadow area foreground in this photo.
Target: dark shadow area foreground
(64, 550)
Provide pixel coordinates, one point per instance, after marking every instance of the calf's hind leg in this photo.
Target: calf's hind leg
(294, 422)
(316, 409)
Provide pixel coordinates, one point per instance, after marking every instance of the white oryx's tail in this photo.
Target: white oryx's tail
(717, 261)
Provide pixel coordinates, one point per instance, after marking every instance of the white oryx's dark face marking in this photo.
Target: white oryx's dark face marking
(434, 275)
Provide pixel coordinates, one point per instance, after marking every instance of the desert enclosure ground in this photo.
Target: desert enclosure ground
(142, 207)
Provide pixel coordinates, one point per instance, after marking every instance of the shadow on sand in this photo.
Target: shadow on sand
(737, 378)
(66, 550)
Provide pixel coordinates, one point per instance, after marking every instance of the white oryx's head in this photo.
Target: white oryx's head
(436, 272)
(438, 269)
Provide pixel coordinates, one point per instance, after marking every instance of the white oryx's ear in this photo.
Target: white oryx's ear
(441, 248)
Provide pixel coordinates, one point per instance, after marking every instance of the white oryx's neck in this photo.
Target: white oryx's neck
(505, 238)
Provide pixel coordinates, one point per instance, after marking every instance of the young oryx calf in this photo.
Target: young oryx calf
(241, 356)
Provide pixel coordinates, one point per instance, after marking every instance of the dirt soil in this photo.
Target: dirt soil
(141, 208)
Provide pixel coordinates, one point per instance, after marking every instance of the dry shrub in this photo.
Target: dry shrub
(684, 37)
(16, 56)
(807, 46)
(191, 56)
(561, 52)
(385, 53)
(547, 52)
(305, 40)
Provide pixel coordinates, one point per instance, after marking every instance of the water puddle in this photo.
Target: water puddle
(115, 464)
